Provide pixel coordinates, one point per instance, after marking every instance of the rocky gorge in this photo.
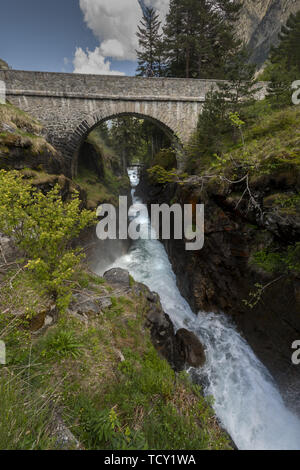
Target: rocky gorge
(242, 219)
(86, 355)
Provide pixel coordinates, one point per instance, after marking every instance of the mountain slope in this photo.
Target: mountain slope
(261, 21)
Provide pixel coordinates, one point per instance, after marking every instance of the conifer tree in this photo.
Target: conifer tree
(288, 49)
(284, 63)
(240, 85)
(149, 36)
(173, 51)
(198, 37)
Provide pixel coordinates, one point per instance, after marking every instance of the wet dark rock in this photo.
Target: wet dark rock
(87, 302)
(92, 159)
(179, 349)
(190, 348)
(117, 276)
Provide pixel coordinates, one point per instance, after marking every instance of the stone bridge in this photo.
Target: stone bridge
(71, 105)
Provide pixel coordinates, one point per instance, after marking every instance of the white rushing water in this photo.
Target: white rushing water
(246, 399)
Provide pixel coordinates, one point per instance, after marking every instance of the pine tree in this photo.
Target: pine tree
(198, 37)
(126, 138)
(213, 124)
(280, 80)
(172, 46)
(240, 85)
(284, 63)
(149, 36)
(232, 96)
(288, 49)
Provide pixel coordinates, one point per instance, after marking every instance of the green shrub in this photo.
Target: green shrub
(159, 175)
(106, 431)
(285, 262)
(43, 227)
(166, 158)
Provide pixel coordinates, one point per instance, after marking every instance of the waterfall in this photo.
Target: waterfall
(246, 399)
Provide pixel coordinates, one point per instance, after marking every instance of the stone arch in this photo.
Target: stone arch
(78, 136)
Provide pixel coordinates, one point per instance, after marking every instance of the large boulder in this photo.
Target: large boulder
(180, 349)
(190, 348)
(117, 276)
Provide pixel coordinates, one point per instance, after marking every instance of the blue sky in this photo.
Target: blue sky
(49, 35)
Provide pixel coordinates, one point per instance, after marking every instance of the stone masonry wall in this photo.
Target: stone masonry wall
(70, 105)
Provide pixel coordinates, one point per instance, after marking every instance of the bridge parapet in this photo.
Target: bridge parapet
(70, 105)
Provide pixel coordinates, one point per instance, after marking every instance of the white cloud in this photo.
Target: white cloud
(92, 62)
(114, 24)
(160, 5)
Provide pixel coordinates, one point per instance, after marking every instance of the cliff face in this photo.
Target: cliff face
(261, 21)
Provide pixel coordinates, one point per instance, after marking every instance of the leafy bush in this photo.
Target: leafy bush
(43, 227)
(166, 158)
(279, 262)
(159, 175)
(106, 430)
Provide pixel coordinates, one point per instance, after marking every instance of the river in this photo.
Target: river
(246, 399)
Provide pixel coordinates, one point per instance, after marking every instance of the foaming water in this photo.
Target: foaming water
(246, 399)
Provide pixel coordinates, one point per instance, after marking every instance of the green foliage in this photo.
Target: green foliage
(43, 227)
(159, 175)
(288, 47)
(235, 120)
(270, 262)
(143, 411)
(24, 416)
(288, 201)
(61, 344)
(113, 389)
(211, 128)
(284, 63)
(284, 262)
(270, 144)
(18, 119)
(166, 158)
(280, 81)
(105, 430)
(255, 296)
(224, 113)
(198, 38)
